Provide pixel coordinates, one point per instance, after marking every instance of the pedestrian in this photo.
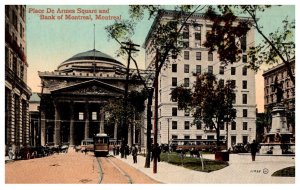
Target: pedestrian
(134, 151)
(118, 150)
(114, 149)
(156, 152)
(253, 148)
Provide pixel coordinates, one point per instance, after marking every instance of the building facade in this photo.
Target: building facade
(17, 93)
(193, 60)
(278, 74)
(73, 98)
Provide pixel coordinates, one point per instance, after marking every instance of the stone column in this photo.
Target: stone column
(87, 121)
(57, 125)
(102, 117)
(43, 128)
(72, 141)
(116, 130)
(20, 124)
(130, 135)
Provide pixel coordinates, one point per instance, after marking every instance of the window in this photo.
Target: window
(94, 116)
(186, 136)
(186, 44)
(233, 140)
(22, 72)
(244, 98)
(244, 71)
(185, 35)
(174, 81)
(21, 30)
(198, 36)
(198, 55)
(186, 68)
(174, 68)
(198, 125)
(199, 137)
(186, 55)
(244, 58)
(6, 54)
(186, 125)
(197, 27)
(198, 69)
(210, 69)
(234, 99)
(210, 56)
(186, 113)
(245, 113)
(174, 111)
(244, 84)
(233, 125)
(186, 82)
(232, 70)
(221, 83)
(174, 125)
(221, 72)
(245, 126)
(15, 64)
(210, 137)
(233, 83)
(243, 43)
(174, 137)
(245, 139)
(80, 116)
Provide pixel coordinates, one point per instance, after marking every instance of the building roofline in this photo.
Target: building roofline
(277, 67)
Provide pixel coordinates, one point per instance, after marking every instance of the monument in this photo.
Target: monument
(279, 140)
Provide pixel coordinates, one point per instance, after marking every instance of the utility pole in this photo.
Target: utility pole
(156, 110)
(130, 47)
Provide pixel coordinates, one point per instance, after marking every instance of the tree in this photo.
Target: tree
(211, 102)
(165, 40)
(225, 37)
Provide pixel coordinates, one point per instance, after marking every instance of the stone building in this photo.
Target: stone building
(193, 60)
(278, 74)
(17, 93)
(74, 96)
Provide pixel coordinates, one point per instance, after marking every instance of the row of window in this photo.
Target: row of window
(210, 69)
(187, 113)
(186, 56)
(14, 63)
(186, 82)
(233, 138)
(187, 126)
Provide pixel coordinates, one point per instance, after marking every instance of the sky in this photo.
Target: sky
(50, 42)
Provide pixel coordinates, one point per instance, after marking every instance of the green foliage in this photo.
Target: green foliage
(276, 47)
(193, 163)
(211, 101)
(224, 34)
(285, 172)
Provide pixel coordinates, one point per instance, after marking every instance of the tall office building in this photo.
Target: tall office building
(193, 60)
(17, 93)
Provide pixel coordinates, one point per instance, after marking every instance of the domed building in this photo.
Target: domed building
(74, 96)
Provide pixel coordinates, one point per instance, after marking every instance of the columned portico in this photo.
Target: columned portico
(72, 140)
(87, 121)
(57, 124)
(102, 117)
(75, 95)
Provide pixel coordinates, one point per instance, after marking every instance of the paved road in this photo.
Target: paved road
(241, 170)
(73, 168)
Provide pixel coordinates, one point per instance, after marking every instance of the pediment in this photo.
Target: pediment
(92, 87)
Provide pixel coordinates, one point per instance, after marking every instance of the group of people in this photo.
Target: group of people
(126, 151)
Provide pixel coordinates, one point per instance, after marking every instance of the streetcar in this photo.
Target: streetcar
(101, 144)
(209, 145)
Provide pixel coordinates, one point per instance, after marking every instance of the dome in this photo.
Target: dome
(89, 56)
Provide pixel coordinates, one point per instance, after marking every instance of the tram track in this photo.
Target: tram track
(107, 169)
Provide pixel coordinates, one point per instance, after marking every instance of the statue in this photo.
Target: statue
(279, 91)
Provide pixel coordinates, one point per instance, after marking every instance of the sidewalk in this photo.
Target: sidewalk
(241, 170)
